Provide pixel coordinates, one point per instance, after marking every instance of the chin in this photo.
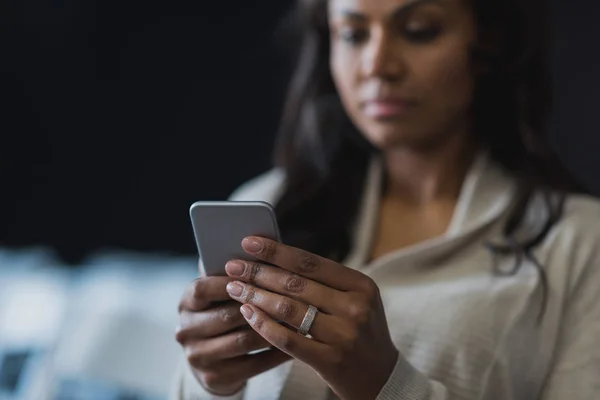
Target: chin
(387, 139)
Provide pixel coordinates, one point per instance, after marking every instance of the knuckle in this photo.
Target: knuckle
(212, 379)
(308, 262)
(295, 284)
(198, 288)
(287, 309)
(259, 323)
(199, 363)
(253, 271)
(180, 336)
(183, 329)
(194, 359)
(370, 288)
(198, 357)
(270, 251)
(359, 312)
(181, 306)
(190, 355)
(248, 294)
(244, 340)
(188, 297)
(228, 314)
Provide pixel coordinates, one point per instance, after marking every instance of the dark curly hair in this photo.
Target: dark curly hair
(325, 157)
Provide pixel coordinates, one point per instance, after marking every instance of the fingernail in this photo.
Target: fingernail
(252, 245)
(235, 289)
(247, 311)
(235, 268)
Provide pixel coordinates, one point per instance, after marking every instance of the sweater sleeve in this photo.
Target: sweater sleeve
(407, 383)
(187, 387)
(575, 374)
(575, 371)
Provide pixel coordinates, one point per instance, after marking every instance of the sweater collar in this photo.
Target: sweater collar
(485, 195)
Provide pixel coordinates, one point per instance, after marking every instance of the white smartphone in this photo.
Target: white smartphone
(219, 228)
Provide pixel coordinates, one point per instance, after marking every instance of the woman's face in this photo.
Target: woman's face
(402, 68)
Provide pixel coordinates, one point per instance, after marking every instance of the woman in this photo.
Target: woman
(435, 247)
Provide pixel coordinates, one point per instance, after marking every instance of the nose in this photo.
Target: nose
(382, 58)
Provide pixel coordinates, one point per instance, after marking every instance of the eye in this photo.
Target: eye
(353, 36)
(421, 34)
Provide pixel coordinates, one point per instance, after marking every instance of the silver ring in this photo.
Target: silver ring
(308, 320)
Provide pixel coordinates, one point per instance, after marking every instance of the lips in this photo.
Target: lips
(387, 107)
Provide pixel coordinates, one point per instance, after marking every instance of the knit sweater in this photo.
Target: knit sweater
(463, 331)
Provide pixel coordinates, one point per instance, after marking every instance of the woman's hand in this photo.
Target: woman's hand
(217, 339)
(351, 347)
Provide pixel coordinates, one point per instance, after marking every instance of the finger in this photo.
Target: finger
(212, 322)
(240, 369)
(202, 292)
(303, 263)
(306, 350)
(204, 353)
(325, 328)
(288, 284)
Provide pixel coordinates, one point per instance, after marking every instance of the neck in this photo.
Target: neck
(420, 176)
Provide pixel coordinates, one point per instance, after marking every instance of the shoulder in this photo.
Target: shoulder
(581, 219)
(580, 208)
(573, 246)
(267, 187)
(579, 222)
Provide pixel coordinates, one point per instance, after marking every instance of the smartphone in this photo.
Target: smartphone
(219, 228)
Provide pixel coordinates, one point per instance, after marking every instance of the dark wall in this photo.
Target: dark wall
(116, 116)
(577, 88)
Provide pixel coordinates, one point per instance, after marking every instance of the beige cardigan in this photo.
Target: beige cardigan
(463, 332)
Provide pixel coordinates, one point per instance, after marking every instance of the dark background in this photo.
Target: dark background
(117, 115)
